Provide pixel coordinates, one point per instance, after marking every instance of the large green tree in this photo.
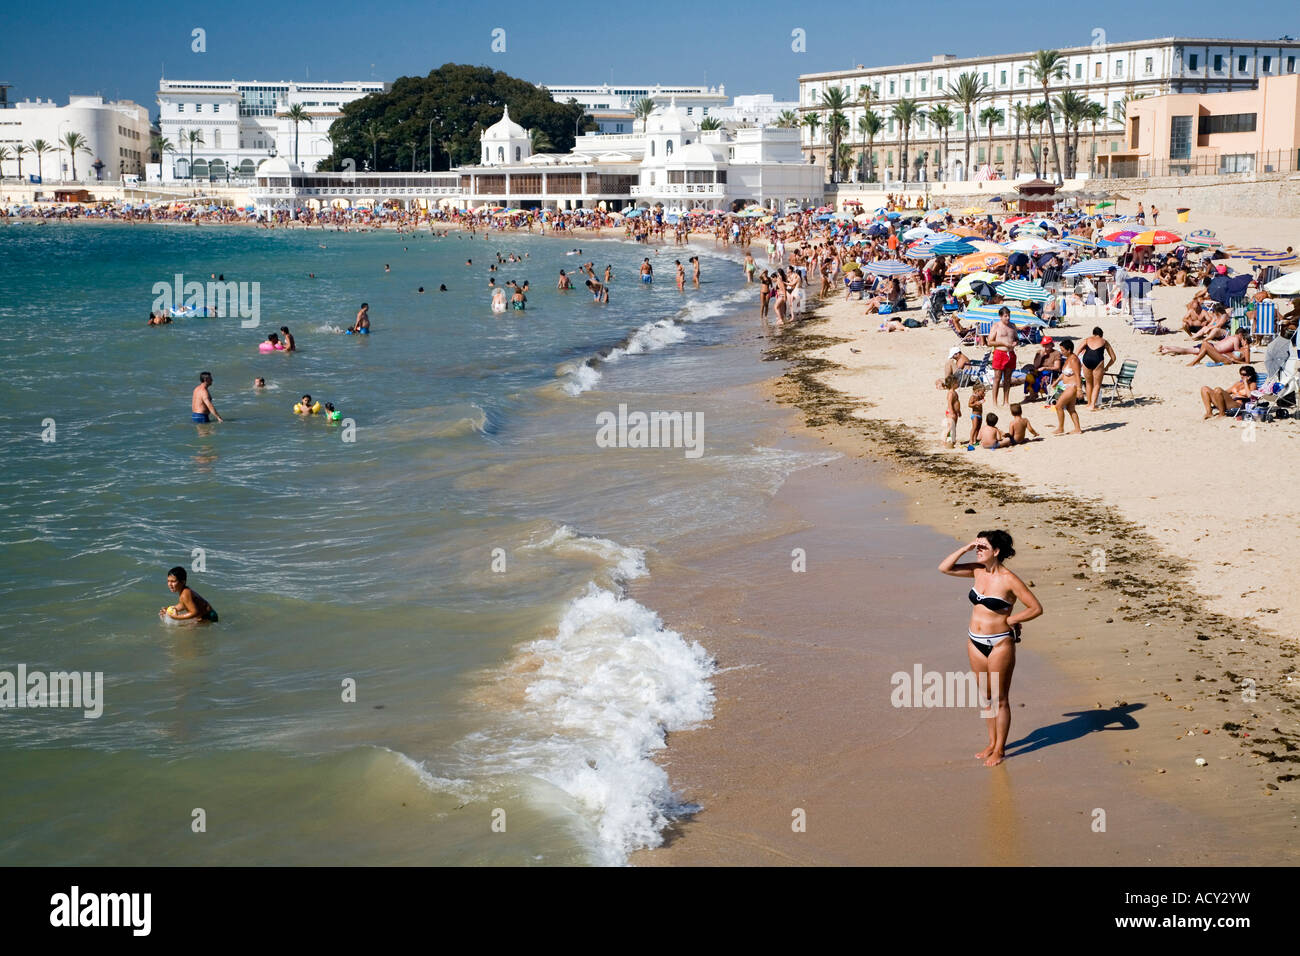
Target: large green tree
(460, 101)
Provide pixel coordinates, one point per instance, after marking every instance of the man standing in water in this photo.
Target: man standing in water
(647, 271)
(201, 401)
(363, 318)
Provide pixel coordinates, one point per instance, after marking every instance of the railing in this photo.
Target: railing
(681, 189)
(1112, 166)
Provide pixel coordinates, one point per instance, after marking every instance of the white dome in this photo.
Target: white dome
(277, 166)
(694, 153)
(670, 119)
(505, 128)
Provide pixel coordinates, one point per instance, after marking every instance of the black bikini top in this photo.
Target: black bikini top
(992, 603)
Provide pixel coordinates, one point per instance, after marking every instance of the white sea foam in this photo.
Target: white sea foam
(580, 377)
(624, 563)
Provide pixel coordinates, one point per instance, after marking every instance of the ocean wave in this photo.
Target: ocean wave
(623, 563)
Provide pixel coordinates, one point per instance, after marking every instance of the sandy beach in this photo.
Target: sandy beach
(1159, 545)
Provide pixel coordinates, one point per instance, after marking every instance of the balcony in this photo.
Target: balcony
(682, 189)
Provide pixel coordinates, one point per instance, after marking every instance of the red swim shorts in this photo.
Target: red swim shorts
(1002, 358)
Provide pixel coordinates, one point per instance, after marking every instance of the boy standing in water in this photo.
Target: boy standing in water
(190, 606)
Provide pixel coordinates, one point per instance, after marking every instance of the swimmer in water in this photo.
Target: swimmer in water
(161, 318)
(442, 288)
(565, 282)
(363, 318)
(201, 401)
(993, 629)
(499, 299)
(289, 345)
(599, 291)
(420, 290)
(190, 605)
(259, 383)
(386, 267)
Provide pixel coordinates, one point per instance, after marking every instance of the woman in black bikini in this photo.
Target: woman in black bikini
(993, 630)
(1095, 349)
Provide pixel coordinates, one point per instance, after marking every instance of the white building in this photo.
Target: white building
(242, 124)
(1106, 73)
(673, 165)
(757, 109)
(612, 106)
(116, 135)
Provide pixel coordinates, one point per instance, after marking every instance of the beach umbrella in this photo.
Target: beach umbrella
(1020, 318)
(953, 247)
(1016, 220)
(1031, 244)
(972, 210)
(1027, 230)
(1156, 237)
(823, 209)
(1089, 267)
(1288, 284)
(877, 229)
(987, 245)
(977, 262)
(1201, 232)
(1275, 258)
(968, 284)
(966, 231)
(1022, 291)
(889, 267)
(920, 251)
(1105, 205)
(924, 234)
(1079, 242)
(1207, 242)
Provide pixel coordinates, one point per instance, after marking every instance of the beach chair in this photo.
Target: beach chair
(1265, 322)
(1114, 381)
(1144, 319)
(1136, 289)
(1237, 306)
(974, 372)
(969, 337)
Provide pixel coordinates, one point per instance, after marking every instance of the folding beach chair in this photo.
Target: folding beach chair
(1237, 308)
(969, 337)
(1265, 322)
(1114, 381)
(1136, 289)
(1144, 319)
(974, 372)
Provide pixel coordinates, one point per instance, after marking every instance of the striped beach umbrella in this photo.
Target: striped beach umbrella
(921, 250)
(953, 247)
(1208, 242)
(1016, 220)
(1250, 252)
(989, 313)
(965, 232)
(1029, 229)
(1019, 290)
(1275, 258)
(888, 267)
(1090, 267)
(985, 245)
(1201, 232)
(1032, 244)
(1079, 242)
(1121, 235)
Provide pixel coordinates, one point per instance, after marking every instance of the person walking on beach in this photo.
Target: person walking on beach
(994, 629)
(201, 401)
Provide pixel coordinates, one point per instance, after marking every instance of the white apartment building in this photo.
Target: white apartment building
(244, 123)
(755, 109)
(612, 106)
(116, 134)
(1106, 73)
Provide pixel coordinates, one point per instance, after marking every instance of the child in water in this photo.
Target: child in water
(189, 606)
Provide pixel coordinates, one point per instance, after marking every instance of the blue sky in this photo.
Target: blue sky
(120, 49)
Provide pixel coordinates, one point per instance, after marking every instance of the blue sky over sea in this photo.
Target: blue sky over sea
(122, 48)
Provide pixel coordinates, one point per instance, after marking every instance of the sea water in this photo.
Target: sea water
(426, 651)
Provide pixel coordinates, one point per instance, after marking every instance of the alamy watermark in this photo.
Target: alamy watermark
(651, 430)
(947, 689)
(24, 689)
(213, 298)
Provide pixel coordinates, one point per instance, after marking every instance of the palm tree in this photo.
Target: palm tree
(845, 159)
(191, 136)
(40, 147)
(1020, 113)
(787, 119)
(76, 143)
(1045, 65)
(988, 116)
(869, 124)
(538, 141)
(812, 121)
(710, 122)
(968, 91)
(5, 156)
(19, 151)
(159, 144)
(297, 114)
(1073, 109)
(942, 118)
(642, 109)
(373, 133)
(1096, 114)
(906, 112)
(834, 101)
(1038, 113)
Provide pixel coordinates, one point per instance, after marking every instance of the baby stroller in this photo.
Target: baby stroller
(941, 304)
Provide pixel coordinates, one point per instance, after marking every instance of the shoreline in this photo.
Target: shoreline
(1120, 638)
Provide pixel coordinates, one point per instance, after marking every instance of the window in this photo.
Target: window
(1290, 64)
(1114, 146)
(1237, 163)
(986, 77)
(518, 156)
(999, 159)
(1096, 70)
(501, 154)
(1241, 64)
(1218, 63)
(891, 126)
(618, 127)
(1002, 78)
(1078, 71)
(1117, 111)
(1227, 123)
(907, 86)
(938, 80)
(180, 107)
(216, 107)
(891, 87)
(216, 139)
(922, 84)
(1193, 61)
(1268, 62)
(668, 148)
(1180, 137)
(1148, 65)
(1021, 77)
(652, 143)
(889, 158)
(1119, 67)
(980, 157)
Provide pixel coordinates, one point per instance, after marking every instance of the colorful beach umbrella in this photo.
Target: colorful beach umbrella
(972, 210)
(1090, 267)
(1201, 232)
(1156, 237)
(953, 247)
(1020, 318)
(1079, 242)
(965, 286)
(1020, 290)
(921, 250)
(977, 262)
(1208, 242)
(1121, 235)
(986, 245)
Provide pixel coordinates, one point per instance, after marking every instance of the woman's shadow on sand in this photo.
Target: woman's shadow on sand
(1082, 722)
